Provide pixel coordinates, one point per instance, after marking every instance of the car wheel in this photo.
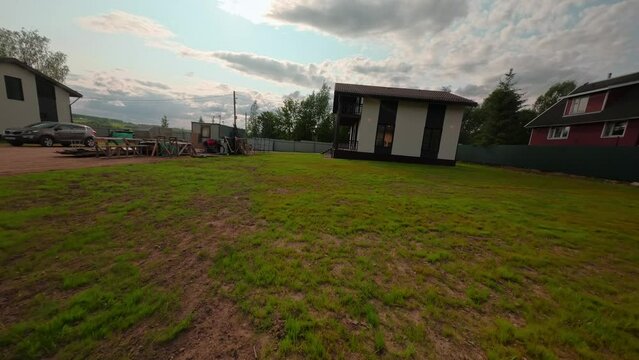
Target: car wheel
(46, 141)
(15, 143)
(90, 142)
(66, 144)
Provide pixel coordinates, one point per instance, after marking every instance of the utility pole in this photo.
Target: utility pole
(234, 111)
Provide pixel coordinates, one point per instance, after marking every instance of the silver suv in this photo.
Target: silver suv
(49, 133)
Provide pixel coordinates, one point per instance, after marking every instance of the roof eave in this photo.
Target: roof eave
(14, 61)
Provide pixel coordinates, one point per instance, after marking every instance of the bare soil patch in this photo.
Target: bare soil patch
(29, 159)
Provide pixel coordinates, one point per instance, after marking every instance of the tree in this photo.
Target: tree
(313, 110)
(164, 122)
(269, 125)
(253, 126)
(288, 114)
(471, 126)
(446, 88)
(32, 48)
(550, 97)
(500, 119)
(201, 120)
(326, 129)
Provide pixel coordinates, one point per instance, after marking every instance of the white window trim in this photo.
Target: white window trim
(603, 106)
(548, 137)
(603, 131)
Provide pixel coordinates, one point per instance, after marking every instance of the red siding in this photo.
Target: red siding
(595, 102)
(588, 135)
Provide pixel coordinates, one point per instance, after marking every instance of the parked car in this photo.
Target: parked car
(49, 133)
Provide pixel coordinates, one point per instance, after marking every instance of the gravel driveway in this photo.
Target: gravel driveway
(28, 159)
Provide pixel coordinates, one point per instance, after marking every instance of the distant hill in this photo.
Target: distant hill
(99, 122)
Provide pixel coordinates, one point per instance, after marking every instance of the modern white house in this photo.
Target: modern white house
(28, 96)
(395, 124)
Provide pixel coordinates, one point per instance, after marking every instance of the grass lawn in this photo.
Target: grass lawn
(322, 258)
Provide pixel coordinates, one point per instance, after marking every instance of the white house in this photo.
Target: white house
(28, 96)
(394, 124)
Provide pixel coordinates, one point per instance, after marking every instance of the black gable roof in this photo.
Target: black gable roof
(401, 93)
(622, 104)
(604, 84)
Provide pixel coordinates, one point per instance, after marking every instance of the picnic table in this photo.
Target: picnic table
(160, 146)
(170, 147)
(117, 146)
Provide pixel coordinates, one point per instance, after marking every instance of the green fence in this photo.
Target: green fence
(617, 163)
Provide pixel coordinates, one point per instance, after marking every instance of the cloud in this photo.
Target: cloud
(272, 69)
(360, 18)
(117, 94)
(120, 22)
(467, 44)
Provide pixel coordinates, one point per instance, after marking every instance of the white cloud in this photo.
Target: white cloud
(471, 43)
(253, 10)
(117, 94)
(465, 43)
(125, 23)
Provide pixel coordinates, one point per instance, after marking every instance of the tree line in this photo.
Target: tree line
(309, 118)
(501, 118)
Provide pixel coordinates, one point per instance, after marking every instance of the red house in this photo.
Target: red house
(603, 113)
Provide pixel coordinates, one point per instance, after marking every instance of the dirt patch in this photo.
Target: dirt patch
(181, 262)
(28, 159)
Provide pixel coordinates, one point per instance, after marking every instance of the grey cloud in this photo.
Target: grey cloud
(134, 100)
(152, 84)
(366, 67)
(356, 18)
(272, 69)
(294, 95)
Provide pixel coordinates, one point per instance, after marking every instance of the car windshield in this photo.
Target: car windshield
(41, 125)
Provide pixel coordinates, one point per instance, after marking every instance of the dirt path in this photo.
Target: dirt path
(30, 159)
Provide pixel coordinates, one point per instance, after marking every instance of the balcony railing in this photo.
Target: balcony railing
(350, 145)
(351, 109)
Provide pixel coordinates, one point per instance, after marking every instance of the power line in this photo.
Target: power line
(210, 97)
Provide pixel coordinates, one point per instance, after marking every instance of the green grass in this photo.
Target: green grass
(338, 258)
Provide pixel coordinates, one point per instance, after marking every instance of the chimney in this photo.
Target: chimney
(609, 75)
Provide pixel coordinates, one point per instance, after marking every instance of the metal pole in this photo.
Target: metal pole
(234, 112)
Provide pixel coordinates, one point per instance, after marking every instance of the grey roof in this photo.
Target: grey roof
(605, 84)
(620, 105)
(400, 93)
(9, 60)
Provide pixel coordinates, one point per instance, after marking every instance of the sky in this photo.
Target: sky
(140, 60)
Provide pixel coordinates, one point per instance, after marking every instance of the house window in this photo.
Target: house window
(614, 129)
(384, 136)
(586, 104)
(14, 88)
(560, 132)
(578, 105)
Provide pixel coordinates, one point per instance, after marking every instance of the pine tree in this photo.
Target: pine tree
(501, 121)
(164, 122)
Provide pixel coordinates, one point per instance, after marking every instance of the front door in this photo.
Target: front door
(46, 100)
(433, 130)
(385, 127)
